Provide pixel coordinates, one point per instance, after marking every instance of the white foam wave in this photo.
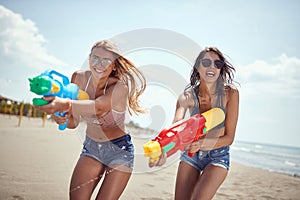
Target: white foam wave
(290, 163)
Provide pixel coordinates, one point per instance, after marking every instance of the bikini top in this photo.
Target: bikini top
(110, 119)
(196, 109)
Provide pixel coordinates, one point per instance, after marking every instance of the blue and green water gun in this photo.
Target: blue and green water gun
(46, 85)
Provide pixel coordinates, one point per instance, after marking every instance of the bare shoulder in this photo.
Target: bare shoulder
(118, 86)
(232, 94)
(79, 77)
(117, 83)
(119, 94)
(186, 99)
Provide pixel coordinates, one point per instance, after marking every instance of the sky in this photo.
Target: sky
(260, 38)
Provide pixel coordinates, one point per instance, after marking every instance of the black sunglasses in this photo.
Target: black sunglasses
(217, 63)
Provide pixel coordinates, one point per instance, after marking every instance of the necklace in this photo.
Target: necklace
(104, 90)
(213, 93)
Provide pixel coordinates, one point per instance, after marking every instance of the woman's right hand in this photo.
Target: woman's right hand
(59, 119)
(162, 160)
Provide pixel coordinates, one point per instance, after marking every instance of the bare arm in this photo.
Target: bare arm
(114, 98)
(184, 102)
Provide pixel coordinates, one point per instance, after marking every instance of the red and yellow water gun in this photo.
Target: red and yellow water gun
(182, 133)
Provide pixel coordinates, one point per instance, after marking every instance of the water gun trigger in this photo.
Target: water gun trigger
(191, 154)
(202, 133)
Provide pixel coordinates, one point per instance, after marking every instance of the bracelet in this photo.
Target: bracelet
(70, 107)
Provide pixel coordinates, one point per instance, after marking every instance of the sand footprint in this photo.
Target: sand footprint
(16, 197)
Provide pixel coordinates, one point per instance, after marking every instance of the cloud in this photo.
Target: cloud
(22, 54)
(22, 45)
(281, 78)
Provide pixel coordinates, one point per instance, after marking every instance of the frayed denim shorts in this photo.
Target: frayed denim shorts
(119, 151)
(201, 159)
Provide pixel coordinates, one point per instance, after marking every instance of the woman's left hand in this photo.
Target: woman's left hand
(161, 161)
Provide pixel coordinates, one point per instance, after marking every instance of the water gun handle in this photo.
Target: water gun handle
(190, 154)
(64, 78)
(62, 126)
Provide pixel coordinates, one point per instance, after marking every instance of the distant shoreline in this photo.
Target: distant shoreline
(136, 131)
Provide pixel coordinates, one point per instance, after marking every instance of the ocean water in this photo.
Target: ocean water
(275, 158)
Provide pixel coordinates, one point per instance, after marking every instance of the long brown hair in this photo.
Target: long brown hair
(128, 73)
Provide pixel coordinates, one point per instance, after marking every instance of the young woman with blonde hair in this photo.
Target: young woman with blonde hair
(114, 85)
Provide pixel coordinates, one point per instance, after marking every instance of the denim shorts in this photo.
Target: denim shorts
(201, 159)
(119, 151)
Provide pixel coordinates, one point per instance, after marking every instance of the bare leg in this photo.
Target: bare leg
(187, 177)
(209, 182)
(114, 183)
(86, 175)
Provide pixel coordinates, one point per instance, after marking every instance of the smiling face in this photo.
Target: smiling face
(210, 73)
(101, 62)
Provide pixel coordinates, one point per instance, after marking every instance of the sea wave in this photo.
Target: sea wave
(270, 157)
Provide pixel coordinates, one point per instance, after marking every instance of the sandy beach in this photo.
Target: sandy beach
(37, 163)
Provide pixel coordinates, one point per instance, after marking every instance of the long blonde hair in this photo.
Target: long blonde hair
(128, 73)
